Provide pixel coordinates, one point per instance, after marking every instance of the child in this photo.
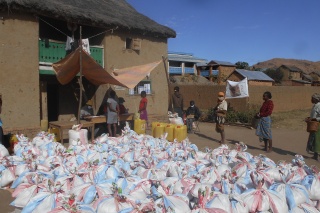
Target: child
(143, 107)
(122, 108)
(221, 112)
(193, 114)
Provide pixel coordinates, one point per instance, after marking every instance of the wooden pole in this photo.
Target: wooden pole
(80, 81)
(44, 103)
(44, 106)
(168, 82)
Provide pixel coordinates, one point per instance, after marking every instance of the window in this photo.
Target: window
(133, 44)
(128, 43)
(142, 86)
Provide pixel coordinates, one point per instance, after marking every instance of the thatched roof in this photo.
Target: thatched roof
(99, 13)
(292, 68)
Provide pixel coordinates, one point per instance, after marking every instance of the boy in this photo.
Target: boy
(193, 114)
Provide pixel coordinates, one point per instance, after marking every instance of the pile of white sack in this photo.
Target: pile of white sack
(138, 173)
(175, 119)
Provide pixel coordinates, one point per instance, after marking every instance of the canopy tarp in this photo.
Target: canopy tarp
(67, 68)
(131, 76)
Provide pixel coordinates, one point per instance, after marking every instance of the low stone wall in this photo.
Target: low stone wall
(285, 98)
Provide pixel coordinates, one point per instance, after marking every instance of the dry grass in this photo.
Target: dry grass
(290, 120)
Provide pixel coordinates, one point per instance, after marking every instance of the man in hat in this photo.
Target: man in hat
(86, 110)
(177, 100)
(221, 113)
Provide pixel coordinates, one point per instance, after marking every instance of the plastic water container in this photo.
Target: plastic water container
(159, 130)
(56, 133)
(13, 141)
(180, 132)
(140, 126)
(170, 130)
(153, 126)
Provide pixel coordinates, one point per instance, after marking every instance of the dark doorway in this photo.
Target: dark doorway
(53, 101)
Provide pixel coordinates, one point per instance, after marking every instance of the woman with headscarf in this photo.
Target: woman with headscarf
(314, 137)
(264, 125)
(221, 113)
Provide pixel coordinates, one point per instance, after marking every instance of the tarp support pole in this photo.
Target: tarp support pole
(80, 80)
(168, 82)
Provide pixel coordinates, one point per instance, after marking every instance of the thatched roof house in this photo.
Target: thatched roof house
(105, 14)
(37, 33)
(290, 72)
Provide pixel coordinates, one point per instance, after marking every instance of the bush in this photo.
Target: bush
(235, 116)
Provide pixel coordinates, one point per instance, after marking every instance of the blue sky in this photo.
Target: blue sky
(239, 30)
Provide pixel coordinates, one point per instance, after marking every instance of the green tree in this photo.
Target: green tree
(276, 75)
(242, 65)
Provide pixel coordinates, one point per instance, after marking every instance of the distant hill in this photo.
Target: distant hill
(304, 65)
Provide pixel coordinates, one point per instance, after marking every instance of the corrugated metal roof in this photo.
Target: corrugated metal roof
(254, 75)
(225, 63)
(185, 57)
(202, 64)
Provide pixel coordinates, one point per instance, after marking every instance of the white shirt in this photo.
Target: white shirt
(223, 105)
(315, 112)
(113, 105)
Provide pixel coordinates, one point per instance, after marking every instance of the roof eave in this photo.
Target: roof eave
(89, 21)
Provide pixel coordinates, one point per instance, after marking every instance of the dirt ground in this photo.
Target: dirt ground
(289, 139)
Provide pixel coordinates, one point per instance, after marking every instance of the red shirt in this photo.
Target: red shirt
(266, 108)
(143, 102)
(122, 109)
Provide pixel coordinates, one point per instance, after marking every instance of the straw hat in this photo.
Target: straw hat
(90, 102)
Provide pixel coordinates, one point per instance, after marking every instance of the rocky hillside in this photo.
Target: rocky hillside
(306, 66)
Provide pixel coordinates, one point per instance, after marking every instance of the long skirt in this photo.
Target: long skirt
(264, 129)
(314, 141)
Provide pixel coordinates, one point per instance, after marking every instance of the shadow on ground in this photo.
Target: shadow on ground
(207, 137)
(275, 149)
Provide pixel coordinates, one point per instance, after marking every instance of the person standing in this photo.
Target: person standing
(177, 100)
(112, 114)
(221, 113)
(314, 137)
(193, 114)
(1, 130)
(143, 107)
(264, 126)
